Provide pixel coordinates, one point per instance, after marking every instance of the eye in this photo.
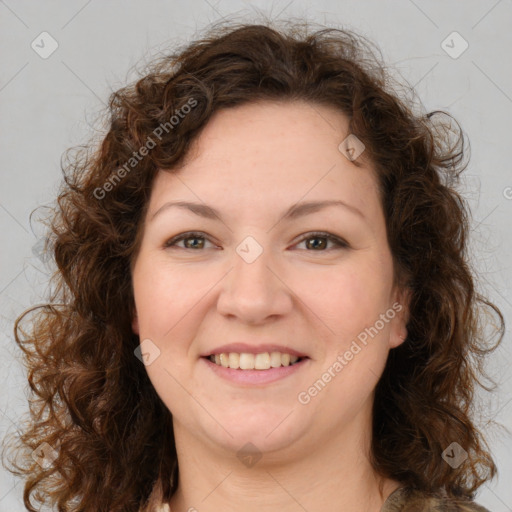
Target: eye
(324, 238)
(198, 241)
(191, 235)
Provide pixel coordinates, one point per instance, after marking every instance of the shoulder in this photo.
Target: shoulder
(410, 500)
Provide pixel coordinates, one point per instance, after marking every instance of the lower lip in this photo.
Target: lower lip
(255, 376)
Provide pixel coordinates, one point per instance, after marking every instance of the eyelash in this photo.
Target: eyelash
(315, 234)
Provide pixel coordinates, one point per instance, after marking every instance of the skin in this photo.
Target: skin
(251, 163)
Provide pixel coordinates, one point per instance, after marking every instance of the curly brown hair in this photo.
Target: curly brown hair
(92, 400)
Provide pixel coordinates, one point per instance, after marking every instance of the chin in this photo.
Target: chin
(267, 432)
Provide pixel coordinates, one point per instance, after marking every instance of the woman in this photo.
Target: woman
(250, 370)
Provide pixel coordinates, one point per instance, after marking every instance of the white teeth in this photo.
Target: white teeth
(262, 361)
(246, 361)
(234, 360)
(275, 359)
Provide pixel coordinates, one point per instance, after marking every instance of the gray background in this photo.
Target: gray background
(51, 104)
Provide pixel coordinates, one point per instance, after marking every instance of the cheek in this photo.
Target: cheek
(347, 298)
(163, 295)
(350, 302)
(165, 379)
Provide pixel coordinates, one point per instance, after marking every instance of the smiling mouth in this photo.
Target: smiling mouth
(246, 361)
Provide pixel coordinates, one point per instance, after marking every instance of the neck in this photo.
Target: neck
(329, 474)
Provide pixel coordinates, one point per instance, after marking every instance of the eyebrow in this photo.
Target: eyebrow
(295, 211)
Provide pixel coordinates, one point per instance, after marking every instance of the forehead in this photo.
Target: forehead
(267, 153)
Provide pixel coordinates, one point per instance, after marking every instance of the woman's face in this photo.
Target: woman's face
(258, 276)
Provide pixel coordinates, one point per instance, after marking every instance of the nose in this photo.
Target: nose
(254, 291)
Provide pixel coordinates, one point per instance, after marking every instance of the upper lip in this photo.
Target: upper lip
(253, 349)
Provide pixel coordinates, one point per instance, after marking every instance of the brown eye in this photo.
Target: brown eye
(194, 244)
(193, 241)
(316, 242)
(321, 240)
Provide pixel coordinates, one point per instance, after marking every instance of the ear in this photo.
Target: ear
(135, 323)
(400, 306)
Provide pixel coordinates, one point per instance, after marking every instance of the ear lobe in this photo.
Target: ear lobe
(397, 341)
(398, 332)
(135, 324)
